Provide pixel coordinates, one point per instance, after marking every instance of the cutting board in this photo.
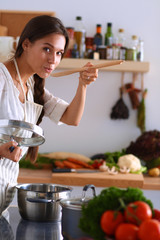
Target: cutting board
(100, 179)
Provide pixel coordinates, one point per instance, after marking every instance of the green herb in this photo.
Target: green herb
(112, 157)
(26, 164)
(109, 199)
(41, 159)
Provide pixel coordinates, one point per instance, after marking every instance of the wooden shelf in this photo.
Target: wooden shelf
(126, 66)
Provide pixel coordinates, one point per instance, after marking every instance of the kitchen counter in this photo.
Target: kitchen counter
(78, 179)
(13, 227)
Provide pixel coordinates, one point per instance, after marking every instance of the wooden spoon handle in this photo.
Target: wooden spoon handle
(100, 65)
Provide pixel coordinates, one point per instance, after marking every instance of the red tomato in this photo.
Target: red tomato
(97, 163)
(156, 214)
(110, 220)
(137, 212)
(127, 231)
(149, 230)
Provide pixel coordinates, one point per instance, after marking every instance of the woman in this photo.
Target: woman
(23, 96)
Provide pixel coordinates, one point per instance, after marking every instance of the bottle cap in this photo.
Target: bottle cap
(78, 18)
(134, 37)
(109, 24)
(121, 30)
(98, 25)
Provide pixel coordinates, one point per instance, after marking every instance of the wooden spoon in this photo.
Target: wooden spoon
(101, 65)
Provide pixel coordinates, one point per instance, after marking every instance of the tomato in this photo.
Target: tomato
(110, 220)
(127, 231)
(156, 214)
(97, 163)
(137, 212)
(149, 230)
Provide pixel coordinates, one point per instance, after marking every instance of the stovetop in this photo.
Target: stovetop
(13, 227)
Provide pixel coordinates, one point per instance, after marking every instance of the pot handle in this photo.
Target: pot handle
(40, 200)
(85, 188)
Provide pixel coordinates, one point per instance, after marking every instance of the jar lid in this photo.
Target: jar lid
(121, 30)
(134, 37)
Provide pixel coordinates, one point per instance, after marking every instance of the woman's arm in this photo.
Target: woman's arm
(6, 153)
(74, 111)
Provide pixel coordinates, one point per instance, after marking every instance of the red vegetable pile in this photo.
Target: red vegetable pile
(120, 214)
(135, 223)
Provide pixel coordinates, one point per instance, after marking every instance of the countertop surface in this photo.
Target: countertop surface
(80, 179)
(13, 227)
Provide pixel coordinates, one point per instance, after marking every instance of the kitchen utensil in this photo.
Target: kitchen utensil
(133, 92)
(141, 110)
(72, 170)
(120, 109)
(71, 214)
(24, 133)
(40, 202)
(99, 179)
(98, 66)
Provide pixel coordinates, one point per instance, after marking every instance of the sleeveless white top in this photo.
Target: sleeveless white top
(12, 108)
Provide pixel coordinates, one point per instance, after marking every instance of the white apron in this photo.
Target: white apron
(9, 170)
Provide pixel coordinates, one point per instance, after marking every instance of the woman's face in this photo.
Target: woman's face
(44, 55)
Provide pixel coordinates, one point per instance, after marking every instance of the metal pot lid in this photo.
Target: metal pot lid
(74, 203)
(24, 133)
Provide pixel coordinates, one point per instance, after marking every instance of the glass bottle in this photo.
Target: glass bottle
(115, 49)
(80, 35)
(131, 53)
(122, 44)
(74, 51)
(140, 51)
(109, 52)
(109, 35)
(98, 36)
(89, 46)
(121, 37)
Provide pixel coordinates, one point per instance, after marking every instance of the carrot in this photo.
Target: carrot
(83, 164)
(59, 164)
(69, 164)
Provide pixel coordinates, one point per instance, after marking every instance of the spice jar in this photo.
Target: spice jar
(102, 51)
(131, 53)
(70, 31)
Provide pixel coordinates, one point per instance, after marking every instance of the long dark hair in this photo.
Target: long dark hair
(37, 28)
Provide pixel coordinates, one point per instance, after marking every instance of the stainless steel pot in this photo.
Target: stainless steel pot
(71, 214)
(40, 202)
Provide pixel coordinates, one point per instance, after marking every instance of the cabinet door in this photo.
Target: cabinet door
(16, 20)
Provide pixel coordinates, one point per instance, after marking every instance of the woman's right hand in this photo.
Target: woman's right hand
(6, 153)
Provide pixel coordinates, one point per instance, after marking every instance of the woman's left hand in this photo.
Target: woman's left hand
(89, 75)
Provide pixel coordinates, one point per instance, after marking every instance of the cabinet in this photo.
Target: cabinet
(126, 66)
(15, 21)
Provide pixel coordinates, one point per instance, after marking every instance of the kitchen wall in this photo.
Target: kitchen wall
(97, 132)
